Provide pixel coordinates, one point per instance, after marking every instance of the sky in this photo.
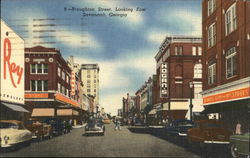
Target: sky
(123, 46)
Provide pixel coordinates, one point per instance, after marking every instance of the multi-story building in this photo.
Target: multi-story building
(12, 72)
(48, 90)
(90, 77)
(226, 47)
(178, 65)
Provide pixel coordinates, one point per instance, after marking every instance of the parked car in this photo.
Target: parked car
(138, 122)
(13, 133)
(209, 132)
(39, 130)
(179, 128)
(239, 145)
(58, 125)
(95, 126)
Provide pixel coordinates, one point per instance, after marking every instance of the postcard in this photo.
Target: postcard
(125, 78)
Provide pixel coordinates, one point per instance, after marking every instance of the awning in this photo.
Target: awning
(227, 106)
(42, 112)
(15, 107)
(66, 112)
(152, 112)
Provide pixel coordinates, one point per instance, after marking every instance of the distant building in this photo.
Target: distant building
(90, 77)
(226, 66)
(178, 64)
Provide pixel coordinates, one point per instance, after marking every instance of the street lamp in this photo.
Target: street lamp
(191, 85)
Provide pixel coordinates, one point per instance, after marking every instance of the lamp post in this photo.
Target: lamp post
(191, 85)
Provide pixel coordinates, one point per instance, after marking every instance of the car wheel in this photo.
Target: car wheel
(234, 151)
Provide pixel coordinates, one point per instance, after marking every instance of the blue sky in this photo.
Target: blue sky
(124, 47)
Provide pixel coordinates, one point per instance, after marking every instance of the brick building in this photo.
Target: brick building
(226, 47)
(48, 89)
(178, 64)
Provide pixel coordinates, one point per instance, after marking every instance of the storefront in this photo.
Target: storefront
(230, 103)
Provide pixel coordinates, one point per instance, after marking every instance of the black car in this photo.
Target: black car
(58, 125)
(95, 126)
(179, 128)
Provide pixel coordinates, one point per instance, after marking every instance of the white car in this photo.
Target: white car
(13, 133)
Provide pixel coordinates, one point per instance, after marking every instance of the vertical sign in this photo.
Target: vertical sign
(11, 66)
(73, 83)
(163, 80)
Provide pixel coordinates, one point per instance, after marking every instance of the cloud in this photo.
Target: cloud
(157, 35)
(181, 21)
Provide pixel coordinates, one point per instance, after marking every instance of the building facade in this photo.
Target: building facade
(90, 77)
(12, 72)
(48, 90)
(226, 47)
(178, 65)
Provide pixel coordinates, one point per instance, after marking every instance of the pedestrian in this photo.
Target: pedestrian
(117, 124)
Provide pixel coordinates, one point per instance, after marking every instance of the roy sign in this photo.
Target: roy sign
(12, 65)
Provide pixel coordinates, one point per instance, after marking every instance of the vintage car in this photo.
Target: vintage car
(39, 130)
(208, 132)
(239, 145)
(58, 125)
(13, 133)
(95, 126)
(178, 128)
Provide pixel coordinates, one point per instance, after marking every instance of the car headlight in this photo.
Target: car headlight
(6, 138)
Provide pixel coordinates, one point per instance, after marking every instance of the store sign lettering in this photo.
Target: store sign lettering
(163, 79)
(10, 65)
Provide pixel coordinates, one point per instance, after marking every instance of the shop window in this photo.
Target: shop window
(231, 62)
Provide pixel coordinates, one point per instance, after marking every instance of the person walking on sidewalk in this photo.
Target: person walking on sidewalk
(117, 124)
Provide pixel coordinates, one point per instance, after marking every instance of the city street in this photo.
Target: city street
(122, 143)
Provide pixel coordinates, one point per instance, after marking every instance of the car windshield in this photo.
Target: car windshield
(212, 125)
(5, 125)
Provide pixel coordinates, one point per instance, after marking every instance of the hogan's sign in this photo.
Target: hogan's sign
(163, 80)
(12, 66)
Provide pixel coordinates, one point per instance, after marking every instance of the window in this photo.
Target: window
(94, 81)
(231, 19)
(59, 87)
(197, 90)
(88, 85)
(39, 68)
(88, 90)
(211, 6)
(39, 85)
(231, 62)
(63, 90)
(211, 72)
(63, 75)
(94, 90)
(67, 78)
(88, 76)
(199, 51)
(59, 71)
(194, 50)
(178, 50)
(95, 85)
(88, 81)
(211, 35)
(198, 71)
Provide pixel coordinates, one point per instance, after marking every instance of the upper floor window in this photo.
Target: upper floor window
(59, 71)
(67, 78)
(211, 6)
(39, 85)
(194, 50)
(58, 87)
(63, 75)
(39, 68)
(198, 70)
(211, 35)
(178, 50)
(231, 19)
(211, 72)
(88, 81)
(88, 76)
(199, 51)
(231, 62)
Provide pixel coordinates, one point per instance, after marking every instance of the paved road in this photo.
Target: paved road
(122, 143)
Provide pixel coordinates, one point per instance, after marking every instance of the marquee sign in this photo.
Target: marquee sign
(12, 65)
(163, 80)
